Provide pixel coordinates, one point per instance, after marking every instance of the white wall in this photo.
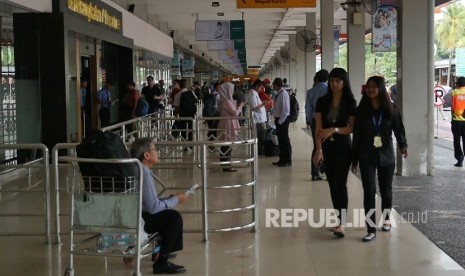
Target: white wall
(144, 35)
(36, 5)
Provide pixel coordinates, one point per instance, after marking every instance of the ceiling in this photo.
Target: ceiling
(266, 30)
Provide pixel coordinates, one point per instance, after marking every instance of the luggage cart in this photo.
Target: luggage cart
(110, 207)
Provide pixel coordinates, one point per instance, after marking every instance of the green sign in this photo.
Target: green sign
(237, 29)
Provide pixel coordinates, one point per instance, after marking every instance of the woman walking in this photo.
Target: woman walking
(376, 118)
(334, 118)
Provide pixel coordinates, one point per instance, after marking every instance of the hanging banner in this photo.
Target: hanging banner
(212, 30)
(227, 54)
(282, 4)
(219, 30)
(384, 26)
(216, 45)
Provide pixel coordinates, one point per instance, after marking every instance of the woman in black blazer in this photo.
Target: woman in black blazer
(334, 120)
(375, 120)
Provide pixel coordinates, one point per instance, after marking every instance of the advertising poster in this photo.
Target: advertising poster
(175, 70)
(460, 62)
(212, 30)
(384, 26)
(215, 75)
(227, 54)
(188, 68)
(215, 45)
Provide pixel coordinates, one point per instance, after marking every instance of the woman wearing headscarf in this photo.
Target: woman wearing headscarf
(375, 121)
(228, 128)
(334, 119)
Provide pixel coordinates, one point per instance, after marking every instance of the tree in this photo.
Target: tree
(450, 32)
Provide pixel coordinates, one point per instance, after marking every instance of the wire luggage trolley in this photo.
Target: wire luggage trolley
(110, 207)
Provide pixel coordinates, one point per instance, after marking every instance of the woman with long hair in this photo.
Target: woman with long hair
(376, 118)
(334, 119)
(228, 128)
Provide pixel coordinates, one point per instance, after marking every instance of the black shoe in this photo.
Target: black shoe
(167, 267)
(386, 226)
(316, 178)
(277, 163)
(287, 164)
(369, 237)
(458, 164)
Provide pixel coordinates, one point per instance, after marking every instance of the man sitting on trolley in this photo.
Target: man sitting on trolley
(158, 215)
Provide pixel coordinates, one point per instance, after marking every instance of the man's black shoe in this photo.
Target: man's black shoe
(277, 163)
(167, 267)
(316, 178)
(288, 164)
(458, 164)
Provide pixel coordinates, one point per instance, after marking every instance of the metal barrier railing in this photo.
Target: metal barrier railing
(71, 149)
(134, 128)
(113, 208)
(204, 165)
(32, 188)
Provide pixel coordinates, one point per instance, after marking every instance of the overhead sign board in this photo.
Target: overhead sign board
(259, 4)
(95, 12)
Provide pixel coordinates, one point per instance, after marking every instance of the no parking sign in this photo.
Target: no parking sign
(439, 93)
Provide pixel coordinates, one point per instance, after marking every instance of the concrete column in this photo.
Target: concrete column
(356, 51)
(300, 68)
(293, 63)
(415, 78)
(310, 60)
(327, 34)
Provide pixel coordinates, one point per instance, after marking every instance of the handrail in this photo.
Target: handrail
(45, 158)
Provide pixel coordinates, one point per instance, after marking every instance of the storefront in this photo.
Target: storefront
(90, 40)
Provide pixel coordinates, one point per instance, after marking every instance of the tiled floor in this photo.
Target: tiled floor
(302, 250)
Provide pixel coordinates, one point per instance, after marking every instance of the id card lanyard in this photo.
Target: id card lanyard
(377, 140)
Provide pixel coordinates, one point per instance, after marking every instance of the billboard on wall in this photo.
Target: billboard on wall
(384, 26)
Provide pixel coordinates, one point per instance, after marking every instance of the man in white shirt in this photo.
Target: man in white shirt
(281, 111)
(259, 114)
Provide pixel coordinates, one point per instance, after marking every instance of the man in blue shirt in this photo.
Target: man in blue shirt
(320, 88)
(104, 99)
(158, 215)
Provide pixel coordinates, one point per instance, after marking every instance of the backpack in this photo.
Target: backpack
(188, 104)
(209, 106)
(294, 113)
(142, 107)
(104, 145)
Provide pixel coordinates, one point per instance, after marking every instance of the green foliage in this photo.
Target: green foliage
(381, 64)
(450, 32)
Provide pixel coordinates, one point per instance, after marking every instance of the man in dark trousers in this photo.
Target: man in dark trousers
(158, 215)
(187, 108)
(319, 89)
(152, 95)
(104, 99)
(281, 111)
